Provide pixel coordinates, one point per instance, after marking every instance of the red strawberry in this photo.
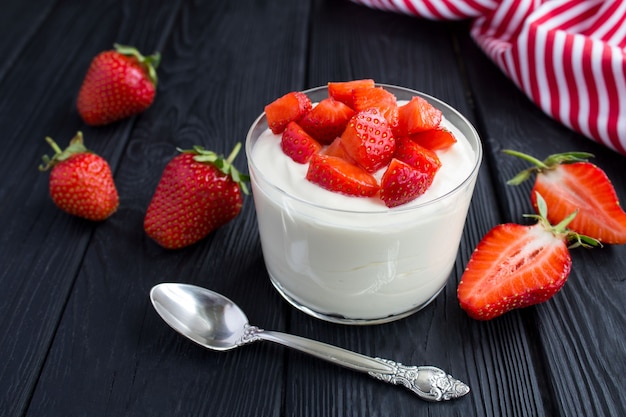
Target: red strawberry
(416, 116)
(119, 83)
(81, 182)
(435, 139)
(199, 191)
(402, 183)
(368, 140)
(410, 173)
(336, 149)
(337, 175)
(298, 144)
(342, 90)
(327, 120)
(417, 156)
(378, 98)
(568, 182)
(516, 266)
(289, 108)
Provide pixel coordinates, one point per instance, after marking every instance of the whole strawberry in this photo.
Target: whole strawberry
(199, 191)
(81, 182)
(119, 83)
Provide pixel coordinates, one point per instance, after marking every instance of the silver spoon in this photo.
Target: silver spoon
(215, 322)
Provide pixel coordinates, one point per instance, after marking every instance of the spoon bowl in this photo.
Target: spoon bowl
(209, 319)
(215, 322)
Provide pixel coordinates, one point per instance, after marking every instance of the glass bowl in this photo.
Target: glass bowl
(360, 263)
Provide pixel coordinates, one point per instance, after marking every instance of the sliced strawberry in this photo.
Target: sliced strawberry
(336, 149)
(410, 173)
(298, 144)
(337, 175)
(417, 156)
(435, 139)
(289, 108)
(342, 91)
(402, 183)
(327, 120)
(515, 266)
(368, 140)
(567, 182)
(585, 187)
(378, 98)
(416, 116)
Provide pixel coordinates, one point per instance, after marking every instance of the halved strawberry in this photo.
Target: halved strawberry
(417, 156)
(368, 140)
(378, 98)
(337, 175)
(327, 120)
(435, 139)
(342, 90)
(416, 116)
(289, 108)
(516, 266)
(402, 183)
(568, 182)
(298, 144)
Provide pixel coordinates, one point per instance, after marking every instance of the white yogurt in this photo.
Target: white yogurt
(351, 259)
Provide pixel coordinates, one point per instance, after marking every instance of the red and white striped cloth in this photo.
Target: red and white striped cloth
(568, 56)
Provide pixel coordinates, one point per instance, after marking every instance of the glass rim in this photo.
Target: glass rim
(439, 104)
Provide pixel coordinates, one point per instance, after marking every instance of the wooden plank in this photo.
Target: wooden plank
(112, 351)
(77, 312)
(43, 248)
(348, 42)
(579, 334)
(20, 21)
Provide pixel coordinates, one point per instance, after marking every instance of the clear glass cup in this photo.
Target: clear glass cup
(361, 266)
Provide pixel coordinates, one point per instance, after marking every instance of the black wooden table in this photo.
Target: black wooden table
(79, 336)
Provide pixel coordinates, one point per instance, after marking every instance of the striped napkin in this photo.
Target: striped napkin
(567, 56)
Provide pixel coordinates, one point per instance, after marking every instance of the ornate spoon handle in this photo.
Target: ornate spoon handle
(428, 382)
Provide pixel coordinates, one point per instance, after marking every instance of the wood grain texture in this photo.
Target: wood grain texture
(393, 49)
(37, 271)
(580, 332)
(80, 336)
(207, 80)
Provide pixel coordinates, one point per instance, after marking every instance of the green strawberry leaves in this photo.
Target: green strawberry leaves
(150, 63)
(224, 165)
(574, 239)
(548, 163)
(76, 146)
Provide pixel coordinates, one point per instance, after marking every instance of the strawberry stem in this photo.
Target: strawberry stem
(526, 157)
(150, 63)
(56, 148)
(550, 162)
(233, 153)
(76, 146)
(574, 239)
(224, 165)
